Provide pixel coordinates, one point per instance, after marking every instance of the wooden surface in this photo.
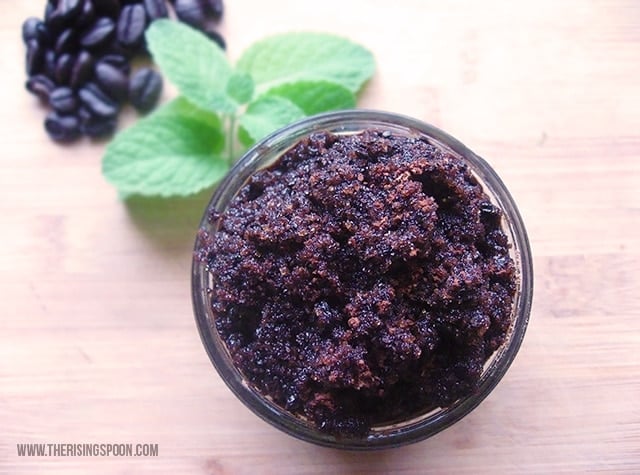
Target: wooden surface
(97, 339)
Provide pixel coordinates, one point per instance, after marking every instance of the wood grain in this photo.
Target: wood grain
(97, 340)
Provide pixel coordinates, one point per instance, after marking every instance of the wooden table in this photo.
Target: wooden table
(97, 338)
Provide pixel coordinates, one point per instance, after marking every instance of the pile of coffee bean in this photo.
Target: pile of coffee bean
(79, 59)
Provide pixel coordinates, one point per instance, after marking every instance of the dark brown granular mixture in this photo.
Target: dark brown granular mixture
(361, 279)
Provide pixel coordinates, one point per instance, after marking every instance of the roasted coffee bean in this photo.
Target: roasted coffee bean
(50, 63)
(43, 34)
(113, 81)
(62, 128)
(41, 86)
(155, 9)
(145, 88)
(49, 8)
(131, 25)
(87, 14)
(35, 57)
(117, 61)
(30, 29)
(69, 10)
(63, 100)
(99, 34)
(98, 127)
(84, 114)
(216, 37)
(97, 101)
(191, 12)
(53, 19)
(66, 41)
(110, 8)
(213, 9)
(64, 67)
(82, 69)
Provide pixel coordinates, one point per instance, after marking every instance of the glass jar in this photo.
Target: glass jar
(421, 426)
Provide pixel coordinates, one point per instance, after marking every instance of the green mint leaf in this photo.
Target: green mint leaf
(240, 87)
(291, 57)
(314, 97)
(194, 63)
(265, 115)
(176, 151)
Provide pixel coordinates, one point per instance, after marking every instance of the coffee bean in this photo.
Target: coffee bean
(191, 12)
(155, 9)
(117, 61)
(66, 41)
(30, 29)
(131, 25)
(69, 10)
(213, 9)
(97, 101)
(35, 57)
(43, 34)
(40, 86)
(110, 8)
(49, 8)
(87, 15)
(62, 128)
(145, 88)
(113, 81)
(63, 100)
(84, 114)
(99, 34)
(82, 69)
(50, 63)
(64, 67)
(53, 19)
(216, 38)
(98, 127)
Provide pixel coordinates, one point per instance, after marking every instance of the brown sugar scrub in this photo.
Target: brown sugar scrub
(361, 279)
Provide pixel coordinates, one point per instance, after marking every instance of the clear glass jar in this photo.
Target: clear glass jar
(419, 427)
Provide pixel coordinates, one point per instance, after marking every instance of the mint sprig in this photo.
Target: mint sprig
(189, 143)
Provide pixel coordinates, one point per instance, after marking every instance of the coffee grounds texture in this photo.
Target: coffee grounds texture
(361, 279)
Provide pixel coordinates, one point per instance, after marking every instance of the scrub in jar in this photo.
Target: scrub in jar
(361, 279)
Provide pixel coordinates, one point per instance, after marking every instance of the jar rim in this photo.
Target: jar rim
(343, 122)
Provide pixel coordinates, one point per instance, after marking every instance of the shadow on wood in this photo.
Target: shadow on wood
(169, 223)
